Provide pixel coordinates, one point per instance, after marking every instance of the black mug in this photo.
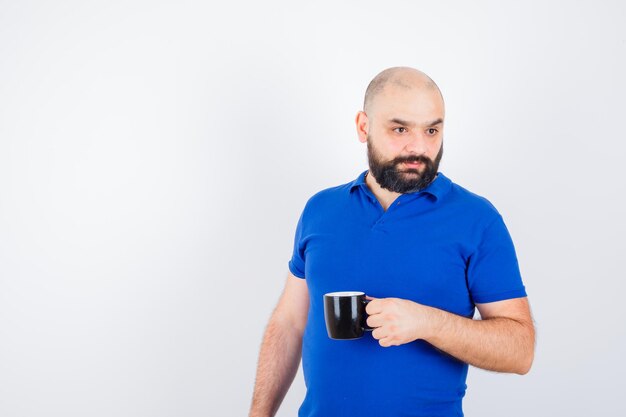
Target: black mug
(345, 314)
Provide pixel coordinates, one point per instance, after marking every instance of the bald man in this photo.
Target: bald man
(428, 253)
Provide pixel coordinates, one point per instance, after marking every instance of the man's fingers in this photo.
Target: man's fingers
(385, 342)
(372, 321)
(374, 306)
(379, 333)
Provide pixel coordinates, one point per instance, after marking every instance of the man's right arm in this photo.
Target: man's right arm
(281, 349)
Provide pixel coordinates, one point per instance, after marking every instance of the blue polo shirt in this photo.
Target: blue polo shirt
(442, 246)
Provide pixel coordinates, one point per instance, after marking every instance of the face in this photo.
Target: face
(404, 135)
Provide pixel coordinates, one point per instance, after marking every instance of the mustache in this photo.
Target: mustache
(420, 158)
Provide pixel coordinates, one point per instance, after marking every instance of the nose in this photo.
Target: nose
(417, 144)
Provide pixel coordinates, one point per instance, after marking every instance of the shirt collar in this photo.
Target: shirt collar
(437, 188)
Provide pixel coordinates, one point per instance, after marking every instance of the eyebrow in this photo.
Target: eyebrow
(406, 123)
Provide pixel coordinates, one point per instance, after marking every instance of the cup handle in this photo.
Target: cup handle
(364, 326)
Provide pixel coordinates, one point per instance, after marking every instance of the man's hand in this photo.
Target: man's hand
(397, 321)
(502, 341)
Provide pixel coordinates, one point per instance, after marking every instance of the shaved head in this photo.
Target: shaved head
(402, 77)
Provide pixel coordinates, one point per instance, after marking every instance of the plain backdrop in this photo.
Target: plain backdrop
(155, 157)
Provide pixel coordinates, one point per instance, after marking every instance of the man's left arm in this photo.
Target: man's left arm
(503, 341)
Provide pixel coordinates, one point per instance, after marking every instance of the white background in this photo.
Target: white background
(155, 157)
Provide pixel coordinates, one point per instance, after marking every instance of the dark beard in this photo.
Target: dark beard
(390, 177)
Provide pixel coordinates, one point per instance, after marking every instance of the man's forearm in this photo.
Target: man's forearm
(498, 344)
(279, 359)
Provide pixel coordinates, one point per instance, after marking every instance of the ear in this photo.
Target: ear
(362, 126)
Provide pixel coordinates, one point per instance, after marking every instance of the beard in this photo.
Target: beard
(390, 176)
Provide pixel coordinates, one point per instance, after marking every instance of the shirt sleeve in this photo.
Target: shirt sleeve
(493, 272)
(296, 264)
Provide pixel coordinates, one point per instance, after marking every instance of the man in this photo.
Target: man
(427, 250)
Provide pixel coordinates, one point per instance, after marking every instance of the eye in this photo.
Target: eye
(432, 131)
(400, 129)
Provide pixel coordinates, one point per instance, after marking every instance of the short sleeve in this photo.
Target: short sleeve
(493, 272)
(296, 264)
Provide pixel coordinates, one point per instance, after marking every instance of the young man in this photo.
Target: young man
(425, 249)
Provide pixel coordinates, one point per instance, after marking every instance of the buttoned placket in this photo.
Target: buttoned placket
(385, 214)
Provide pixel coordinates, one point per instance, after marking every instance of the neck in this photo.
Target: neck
(384, 196)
